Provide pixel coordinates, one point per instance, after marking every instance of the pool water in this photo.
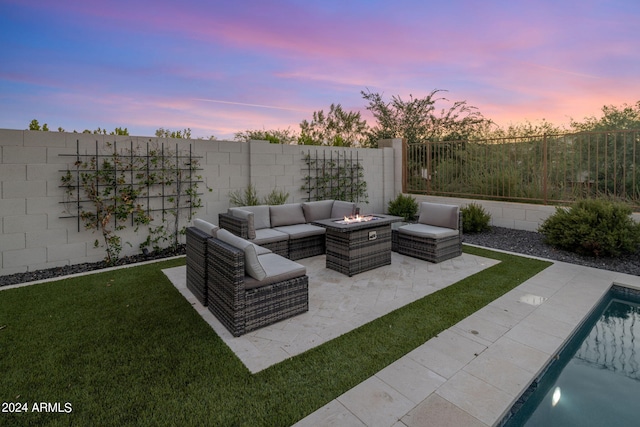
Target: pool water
(596, 379)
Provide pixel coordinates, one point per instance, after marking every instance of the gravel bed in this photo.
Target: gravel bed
(519, 241)
(531, 243)
(49, 273)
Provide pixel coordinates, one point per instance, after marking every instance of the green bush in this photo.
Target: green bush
(593, 227)
(276, 197)
(474, 218)
(404, 206)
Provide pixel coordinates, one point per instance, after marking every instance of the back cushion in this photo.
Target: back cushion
(439, 215)
(289, 214)
(314, 211)
(205, 226)
(341, 209)
(249, 216)
(260, 215)
(252, 266)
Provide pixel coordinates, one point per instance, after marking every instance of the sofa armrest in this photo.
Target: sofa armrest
(237, 226)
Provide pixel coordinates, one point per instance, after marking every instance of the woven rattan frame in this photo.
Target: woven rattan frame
(243, 310)
(197, 263)
(430, 249)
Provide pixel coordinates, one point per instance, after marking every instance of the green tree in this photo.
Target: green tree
(100, 131)
(35, 125)
(180, 134)
(613, 118)
(338, 128)
(418, 119)
(275, 136)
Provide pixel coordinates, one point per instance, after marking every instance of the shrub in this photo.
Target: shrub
(248, 197)
(593, 227)
(404, 206)
(474, 218)
(276, 197)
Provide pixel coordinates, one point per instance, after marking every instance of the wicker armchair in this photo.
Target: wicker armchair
(436, 237)
(243, 306)
(197, 263)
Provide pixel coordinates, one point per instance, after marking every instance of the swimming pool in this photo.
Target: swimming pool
(595, 380)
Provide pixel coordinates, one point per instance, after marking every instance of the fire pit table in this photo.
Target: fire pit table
(358, 244)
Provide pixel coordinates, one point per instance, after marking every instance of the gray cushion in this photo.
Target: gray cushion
(205, 226)
(299, 231)
(252, 266)
(314, 211)
(428, 231)
(439, 215)
(248, 215)
(261, 217)
(278, 268)
(260, 250)
(341, 209)
(288, 214)
(269, 235)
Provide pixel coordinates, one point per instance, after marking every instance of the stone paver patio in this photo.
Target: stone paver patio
(469, 375)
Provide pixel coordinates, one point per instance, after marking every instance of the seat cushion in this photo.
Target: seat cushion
(341, 209)
(427, 231)
(261, 218)
(299, 231)
(288, 214)
(252, 266)
(206, 226)
(315, 211)
(247, 215)
(278, 268)
(269, 235)
(439, 215)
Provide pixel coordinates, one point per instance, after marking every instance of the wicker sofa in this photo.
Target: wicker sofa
(286, 229)
(437, 236)
(244, 285)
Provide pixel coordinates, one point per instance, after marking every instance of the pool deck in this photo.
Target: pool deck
(470, 374)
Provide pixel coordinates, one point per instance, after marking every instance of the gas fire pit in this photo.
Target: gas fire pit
(359, 243)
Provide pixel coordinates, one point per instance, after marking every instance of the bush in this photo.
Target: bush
(276, 197)
(404, 206)
(474, 218)
(593, 227)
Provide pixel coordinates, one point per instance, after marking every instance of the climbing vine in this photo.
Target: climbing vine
(119, 187)
(336, 176)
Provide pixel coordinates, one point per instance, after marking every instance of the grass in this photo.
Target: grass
(125, 348)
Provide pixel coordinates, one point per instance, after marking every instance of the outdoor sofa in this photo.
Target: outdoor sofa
(286, 229)
(244, 285)
(437, 236)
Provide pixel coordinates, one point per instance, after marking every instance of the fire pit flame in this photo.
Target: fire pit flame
(357, 218)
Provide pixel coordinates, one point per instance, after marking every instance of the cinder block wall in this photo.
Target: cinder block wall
(34, 236)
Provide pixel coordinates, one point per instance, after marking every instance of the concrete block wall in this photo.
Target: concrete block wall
(33, 235)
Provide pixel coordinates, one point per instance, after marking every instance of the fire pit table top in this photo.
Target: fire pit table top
(350, 224)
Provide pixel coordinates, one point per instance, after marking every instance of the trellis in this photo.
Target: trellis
(338, 176)
(161, 185)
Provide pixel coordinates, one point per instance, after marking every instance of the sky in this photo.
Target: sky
(220, 67)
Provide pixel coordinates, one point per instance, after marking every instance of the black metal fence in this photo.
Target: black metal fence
(547, 169)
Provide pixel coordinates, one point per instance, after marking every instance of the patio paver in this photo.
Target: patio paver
(455, 374)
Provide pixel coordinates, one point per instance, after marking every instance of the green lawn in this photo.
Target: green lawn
(125, 348)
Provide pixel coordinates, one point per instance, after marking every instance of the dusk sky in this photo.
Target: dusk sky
(219, 67)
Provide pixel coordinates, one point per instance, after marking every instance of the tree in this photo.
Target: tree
(417, 120)
(275, 136)
(180, 134)
(116, 131)
(337, 128)
(34, 125)
(613, 118)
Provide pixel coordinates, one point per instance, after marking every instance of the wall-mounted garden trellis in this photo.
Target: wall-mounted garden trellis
(337, 175)
(124, 183)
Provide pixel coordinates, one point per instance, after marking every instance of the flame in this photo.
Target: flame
(357, 218)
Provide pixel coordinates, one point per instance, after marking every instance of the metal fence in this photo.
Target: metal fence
(547, 169)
